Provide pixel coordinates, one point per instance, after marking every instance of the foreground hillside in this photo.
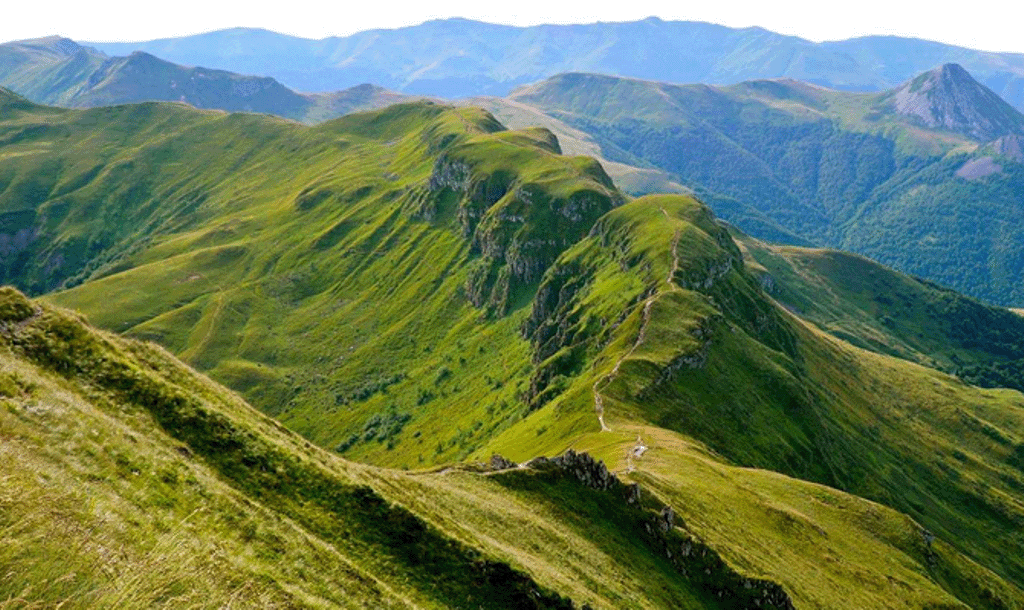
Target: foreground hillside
(130, 481)
(418, 285)
(926, 177)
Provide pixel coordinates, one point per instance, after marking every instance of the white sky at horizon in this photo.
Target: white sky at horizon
(127, 20)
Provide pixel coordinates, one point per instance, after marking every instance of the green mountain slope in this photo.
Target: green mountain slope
(879, 309)
(162, 489)
(388, 230)
(700, 350)
(60, 72)
(925, 178)
(130, 481)
(419, 285)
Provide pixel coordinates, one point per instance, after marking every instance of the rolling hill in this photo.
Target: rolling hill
(874, 307)
(418, 286)
(458, 57)
(926, 177)
(60, 72)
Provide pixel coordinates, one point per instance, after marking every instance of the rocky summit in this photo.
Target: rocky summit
(949, 98)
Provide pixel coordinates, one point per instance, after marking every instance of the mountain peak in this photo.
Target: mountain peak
(948, 97)
(56, 45)
(10, 100)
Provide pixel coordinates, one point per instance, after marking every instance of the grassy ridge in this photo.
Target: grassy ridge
(208, 502)
(385, 230)
(701, 350)
(418, 285)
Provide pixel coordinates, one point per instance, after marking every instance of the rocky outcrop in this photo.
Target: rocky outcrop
(949, 98)
(979, 168)
(665, 533)
(703, 278)
(498, 462)
(695, 359)
(1011, 147)
(516, 222)
(590, 472)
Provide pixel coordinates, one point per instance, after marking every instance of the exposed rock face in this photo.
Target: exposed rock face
(979, 168)
(498, 462)
(1010, 146)
(664, 532)
(516, 224)
(702, 279)
(949, 98)
(592, 473)
(703, 333)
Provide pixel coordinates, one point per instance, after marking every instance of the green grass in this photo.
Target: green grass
(418, 286)
(795, 163)
(162, 489)
(724, 365)
(879, 309)
(361, 237)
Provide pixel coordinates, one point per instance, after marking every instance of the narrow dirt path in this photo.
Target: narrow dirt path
(645, 320)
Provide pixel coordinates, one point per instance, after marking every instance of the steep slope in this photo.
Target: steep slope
(132, 482)
(376, 238)
(61, 72)
(48, 69)
(654, 319)
(885, 311)
(418, 285)
(195, 500)
(841, 169)
(457, 57)
(948, 98)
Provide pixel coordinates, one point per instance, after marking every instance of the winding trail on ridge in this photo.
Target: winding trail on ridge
(607, 378)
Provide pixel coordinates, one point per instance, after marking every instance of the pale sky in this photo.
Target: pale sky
(986, 25)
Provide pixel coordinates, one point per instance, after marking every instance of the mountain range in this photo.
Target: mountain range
(454, 58)
(795, 162)
(61, 72)
(419, 285)
(926, 177)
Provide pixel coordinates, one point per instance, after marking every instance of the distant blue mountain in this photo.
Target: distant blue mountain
(458, 57)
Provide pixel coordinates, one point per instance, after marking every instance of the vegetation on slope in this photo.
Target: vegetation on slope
(653, 318)
(162, 489)
(885, 311)
(371, 238)
(458, 288)
(906, 177)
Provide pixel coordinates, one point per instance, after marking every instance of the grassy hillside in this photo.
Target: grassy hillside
(653, 318)
(885, 311)
(60, 72)
(926, 178)
(130, 481)
(378, 239)
(162, 489)
(419, 285)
